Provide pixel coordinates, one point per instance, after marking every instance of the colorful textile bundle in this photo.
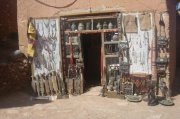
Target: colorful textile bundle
(31, 39)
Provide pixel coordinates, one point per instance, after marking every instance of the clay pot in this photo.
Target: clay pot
(73, 26)
(88, 26)
(110, 25)
(115, 37)
(80, 26)
(105, 26)
(99, 26)
(75, 39)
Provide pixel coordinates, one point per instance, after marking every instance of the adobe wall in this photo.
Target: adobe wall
(14, 70)
(31, 8)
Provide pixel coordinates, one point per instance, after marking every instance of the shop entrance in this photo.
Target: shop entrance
(91, 48)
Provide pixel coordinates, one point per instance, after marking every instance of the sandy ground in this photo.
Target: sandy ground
(86, 106)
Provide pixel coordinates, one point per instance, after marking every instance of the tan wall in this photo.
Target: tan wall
(30, 8)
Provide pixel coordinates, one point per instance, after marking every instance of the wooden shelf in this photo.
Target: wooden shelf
(111, 42)
(92, 31)
(108, 56)
(72, 44)
(75, 56)
(93, 18)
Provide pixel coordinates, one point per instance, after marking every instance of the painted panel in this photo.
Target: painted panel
(47, 57)
(140, 44)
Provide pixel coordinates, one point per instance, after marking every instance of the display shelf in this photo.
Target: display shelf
(91, 31)
(92, 18)
(111, 42)
(75, 56)
(111, 56)
(72, 43)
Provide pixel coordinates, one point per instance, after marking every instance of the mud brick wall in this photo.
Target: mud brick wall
(32, 8)
(8, 18)
(14, 71)
(15, 75)
(54, 8)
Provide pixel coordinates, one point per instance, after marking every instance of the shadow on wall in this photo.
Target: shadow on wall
(14, 71)
(171, 5)
(176, 83)
(8, 26)
(8, 17)
(178, 35)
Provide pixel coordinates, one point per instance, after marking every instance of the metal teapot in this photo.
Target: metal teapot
(115, 37)
(105, 26)
(162, 41)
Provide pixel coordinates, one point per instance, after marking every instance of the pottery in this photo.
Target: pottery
(74, 39)
(115, 37)
(166, 102)
(110, 25)
(73, 26)
(105, 26)
(134, 98)
(99, 26)
(80, 26)
(88, 26)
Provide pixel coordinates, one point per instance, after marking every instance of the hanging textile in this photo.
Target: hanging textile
(47, 46)
(31, 39)
(145, 22)
(130, 24)
(140, 44)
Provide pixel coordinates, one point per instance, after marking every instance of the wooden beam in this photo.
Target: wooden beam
(103, 78)
(91, 17)
(91, 31)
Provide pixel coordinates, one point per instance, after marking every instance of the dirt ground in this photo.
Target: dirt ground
(86, 106)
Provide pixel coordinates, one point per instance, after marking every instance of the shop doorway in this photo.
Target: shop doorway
(91, 49)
